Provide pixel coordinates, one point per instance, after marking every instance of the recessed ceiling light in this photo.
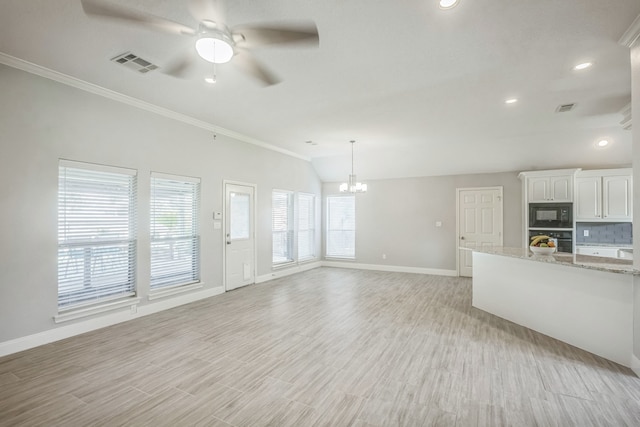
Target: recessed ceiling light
(602, 143)
(448, 4)
(583, 66)
(210, 80)
(511, 101)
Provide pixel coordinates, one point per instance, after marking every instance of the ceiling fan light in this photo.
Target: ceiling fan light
(214, 50)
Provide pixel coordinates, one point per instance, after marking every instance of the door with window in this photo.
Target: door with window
(479, 223)
(239, 235)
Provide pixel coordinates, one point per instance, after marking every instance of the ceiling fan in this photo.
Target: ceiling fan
(214, 40)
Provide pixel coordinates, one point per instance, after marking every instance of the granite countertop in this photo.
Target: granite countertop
(607, 245)
(611, 265)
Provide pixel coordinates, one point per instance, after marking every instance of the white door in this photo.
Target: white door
(239, 235)
(479, 223)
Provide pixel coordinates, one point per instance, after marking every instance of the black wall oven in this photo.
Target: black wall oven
(550, 215)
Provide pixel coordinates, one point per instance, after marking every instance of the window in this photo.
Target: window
(96, 233)
(175, 239)
(341, 226)
(239, 216)
(282, 217)
(306, 226)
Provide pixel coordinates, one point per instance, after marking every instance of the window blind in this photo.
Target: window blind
(175, 239)
(96, 233)
(306, 226)
(282, 226)
(341, 227)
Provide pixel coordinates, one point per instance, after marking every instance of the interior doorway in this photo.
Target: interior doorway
(479, 223)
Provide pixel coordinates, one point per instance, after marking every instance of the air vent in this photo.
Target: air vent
(134, 62)
(565, 107)
(626, 117)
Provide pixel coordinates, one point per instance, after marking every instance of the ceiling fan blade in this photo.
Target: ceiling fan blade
(179, 67)
(105, 10)
(247, 63)
(264, 35)
(212, 10)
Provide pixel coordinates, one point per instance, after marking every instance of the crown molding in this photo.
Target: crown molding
(632, 35)
(47, 73)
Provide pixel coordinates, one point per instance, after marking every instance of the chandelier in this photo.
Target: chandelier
(352, 186)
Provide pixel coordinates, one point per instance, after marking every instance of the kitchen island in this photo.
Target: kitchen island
(582, 300)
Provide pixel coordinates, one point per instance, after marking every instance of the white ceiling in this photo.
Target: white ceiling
(420, 89)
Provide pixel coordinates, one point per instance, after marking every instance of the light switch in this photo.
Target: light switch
(586, 233)
(438, 223)
(217, 225)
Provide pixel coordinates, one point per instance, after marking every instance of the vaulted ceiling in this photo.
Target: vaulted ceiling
(422, 90)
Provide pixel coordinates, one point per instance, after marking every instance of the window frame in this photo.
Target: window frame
(337, 255)
(289, 232)
(311, 227)
(80, 223)
(189, 223)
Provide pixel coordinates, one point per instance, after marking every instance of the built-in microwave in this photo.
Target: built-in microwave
(551, 215)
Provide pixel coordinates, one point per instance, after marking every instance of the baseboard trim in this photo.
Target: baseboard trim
(635, 365)
(63, 332)
(393, 268)
(288, 271)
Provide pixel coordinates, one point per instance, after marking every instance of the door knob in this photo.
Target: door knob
(461, 237)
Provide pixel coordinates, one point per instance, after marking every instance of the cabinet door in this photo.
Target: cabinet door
(539, 190)
(561, 188)
(597, 251)
(616, 197)
(588, 198)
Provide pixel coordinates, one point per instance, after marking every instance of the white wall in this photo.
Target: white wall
(635, 108)
(397, 217)
(42, 121)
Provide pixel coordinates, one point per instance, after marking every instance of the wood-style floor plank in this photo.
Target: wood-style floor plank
(327, 347)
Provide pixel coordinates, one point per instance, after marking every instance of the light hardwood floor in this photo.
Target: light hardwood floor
(328, 347)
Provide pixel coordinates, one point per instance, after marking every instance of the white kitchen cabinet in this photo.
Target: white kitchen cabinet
(604, 195)
(597, 251)
(617, 197)
(550, 188)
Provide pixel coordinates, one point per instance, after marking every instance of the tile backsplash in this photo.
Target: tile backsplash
(605, 232)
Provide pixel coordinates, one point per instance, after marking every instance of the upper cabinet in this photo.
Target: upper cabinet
(604, 195)
(550, 188)
(554, 186)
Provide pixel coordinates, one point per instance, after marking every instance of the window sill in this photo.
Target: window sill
(339, 258)
(163, 293)
(282, 265)
(78, 313)
(307, 260)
